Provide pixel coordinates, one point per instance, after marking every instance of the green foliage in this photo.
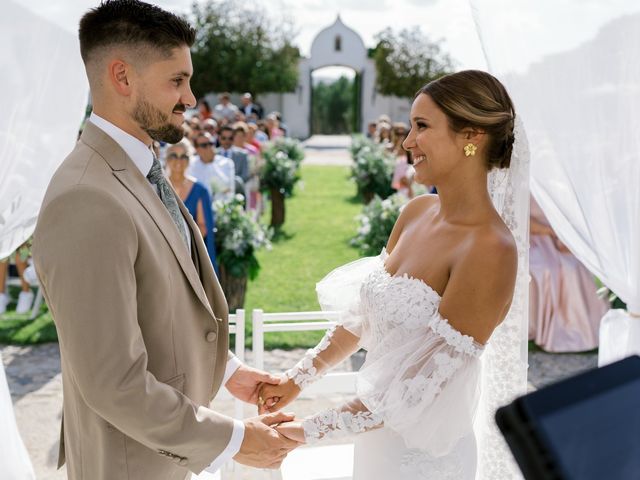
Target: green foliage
(240, 48)
(282, 165)
(372, 168)
(407, 60)
(376, 222)
(18, 329)
(238, 238)
(333, 106)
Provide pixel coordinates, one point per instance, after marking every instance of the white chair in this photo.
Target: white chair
(334, 382)
(333, 462)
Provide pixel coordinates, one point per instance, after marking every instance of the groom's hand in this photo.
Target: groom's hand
(245, 383)
(263, 446)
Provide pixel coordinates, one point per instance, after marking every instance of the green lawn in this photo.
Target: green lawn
(313, 241)
(319, 224)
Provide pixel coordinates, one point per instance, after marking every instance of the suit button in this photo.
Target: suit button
(211, 337)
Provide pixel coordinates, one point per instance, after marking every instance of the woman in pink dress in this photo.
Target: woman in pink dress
(564, 309)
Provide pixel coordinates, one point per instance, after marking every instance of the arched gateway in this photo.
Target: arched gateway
(336, 45)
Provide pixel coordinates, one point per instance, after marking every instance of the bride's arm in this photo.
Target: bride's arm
(337, 344)
(348, 419)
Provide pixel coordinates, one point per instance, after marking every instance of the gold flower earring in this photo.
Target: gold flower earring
(470, 150)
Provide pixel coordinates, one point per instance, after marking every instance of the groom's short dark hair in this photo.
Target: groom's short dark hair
(134, 24)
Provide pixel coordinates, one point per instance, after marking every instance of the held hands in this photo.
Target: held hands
(292, 430)
(273, 397)
(246, 382)
(263, 446)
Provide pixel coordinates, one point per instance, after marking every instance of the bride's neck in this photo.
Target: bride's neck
(465, 198)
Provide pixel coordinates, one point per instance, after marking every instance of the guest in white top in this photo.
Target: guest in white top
(225, 111)
(215, 172)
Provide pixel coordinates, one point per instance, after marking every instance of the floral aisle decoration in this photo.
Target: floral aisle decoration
(372, 169)
(376, 222)
(280, 174)
(238, 238)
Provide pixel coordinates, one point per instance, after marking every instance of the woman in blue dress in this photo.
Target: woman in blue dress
(194, 195)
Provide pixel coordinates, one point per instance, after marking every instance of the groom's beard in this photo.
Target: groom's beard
(157, 125)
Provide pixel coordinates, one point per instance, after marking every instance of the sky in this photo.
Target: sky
(437, 18)
(516, 32)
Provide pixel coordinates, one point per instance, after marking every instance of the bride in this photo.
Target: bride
(425, 308)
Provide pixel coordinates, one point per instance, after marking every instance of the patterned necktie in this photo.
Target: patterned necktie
(168, 197)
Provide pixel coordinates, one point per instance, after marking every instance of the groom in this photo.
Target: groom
(141, 318)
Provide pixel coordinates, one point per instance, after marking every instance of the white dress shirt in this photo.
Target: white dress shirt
(142, 157)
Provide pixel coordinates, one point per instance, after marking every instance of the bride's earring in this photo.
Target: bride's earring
(470, 150)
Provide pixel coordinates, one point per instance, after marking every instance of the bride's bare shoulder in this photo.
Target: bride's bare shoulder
(482, 282)
(408, 213)
(419, 205)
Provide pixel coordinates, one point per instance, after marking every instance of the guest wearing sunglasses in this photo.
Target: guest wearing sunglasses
(215, 172)
(193, 193)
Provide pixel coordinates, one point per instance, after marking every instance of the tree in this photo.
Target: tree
(333, 106)
(406, 60)
(239, 48)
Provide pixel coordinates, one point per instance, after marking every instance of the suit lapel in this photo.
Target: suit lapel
(134, 181)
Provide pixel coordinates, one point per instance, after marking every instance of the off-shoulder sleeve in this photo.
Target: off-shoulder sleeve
(338, 292)
(426, 390)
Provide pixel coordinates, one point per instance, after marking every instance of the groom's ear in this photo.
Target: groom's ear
(119, 73)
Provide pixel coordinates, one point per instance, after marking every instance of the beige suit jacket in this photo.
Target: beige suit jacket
(142, 325)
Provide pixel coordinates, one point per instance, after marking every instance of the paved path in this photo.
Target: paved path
(327, 150)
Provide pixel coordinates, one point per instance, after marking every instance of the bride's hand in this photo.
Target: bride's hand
(292, 430)
(274, 397)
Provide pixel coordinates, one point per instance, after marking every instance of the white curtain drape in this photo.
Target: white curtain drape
(571, 67)
(44, 94)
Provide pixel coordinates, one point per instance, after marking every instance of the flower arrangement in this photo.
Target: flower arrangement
(238, 237)
(282, 165)
(358, 142)
(376, 222)
(372, 170)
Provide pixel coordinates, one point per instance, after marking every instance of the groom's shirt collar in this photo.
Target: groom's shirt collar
(139, 153)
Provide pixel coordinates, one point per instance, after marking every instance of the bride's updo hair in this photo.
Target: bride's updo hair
(476, 99)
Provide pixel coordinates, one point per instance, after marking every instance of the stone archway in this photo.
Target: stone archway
(335, 45)
(338, 45)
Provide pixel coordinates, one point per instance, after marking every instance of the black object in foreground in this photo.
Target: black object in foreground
(586, 427)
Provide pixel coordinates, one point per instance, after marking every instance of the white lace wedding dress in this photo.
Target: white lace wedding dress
(418, 389)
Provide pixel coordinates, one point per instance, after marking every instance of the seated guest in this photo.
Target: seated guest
(564, 310)
(211, 127)
(252, 185)
(273, 127)
(215, 172)
(249, 108)
(225, 112)
(239, 156)
(252, 136)
(402, 180)
(204, 110)
(240, 133)
(372, 128)
(194, 194)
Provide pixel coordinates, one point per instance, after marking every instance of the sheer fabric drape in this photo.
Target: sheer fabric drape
(571, 69)
(44, 96)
